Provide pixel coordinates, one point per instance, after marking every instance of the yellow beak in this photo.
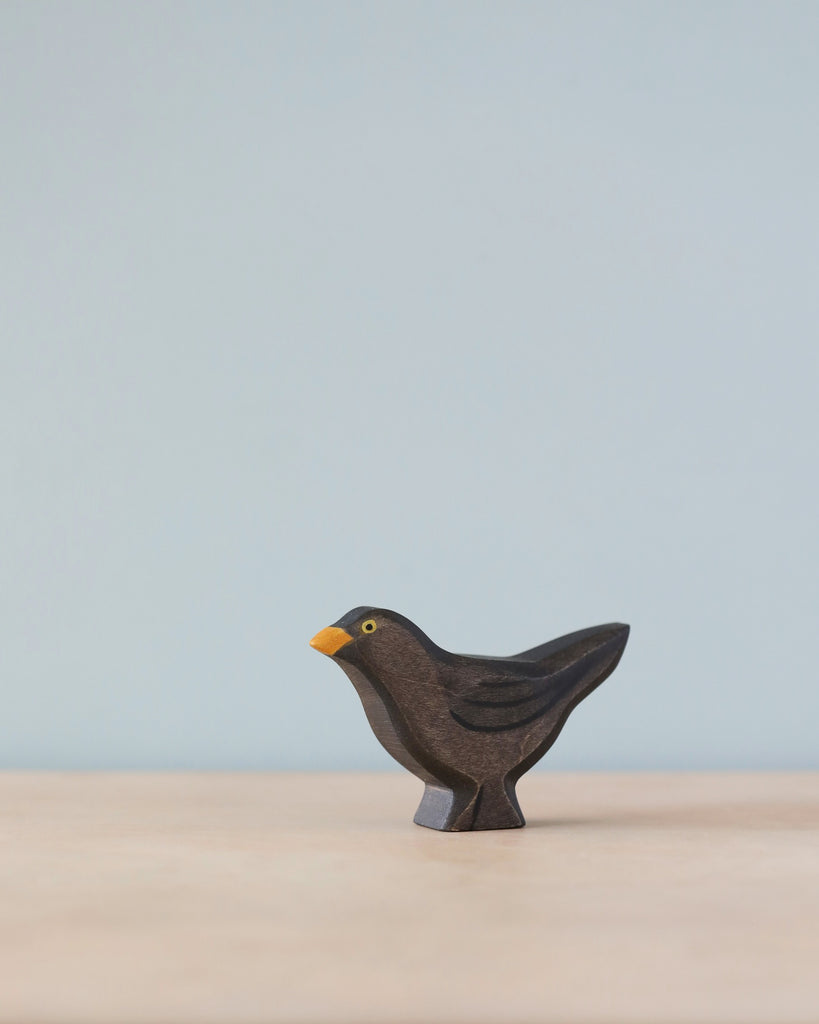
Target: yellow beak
(330, 640)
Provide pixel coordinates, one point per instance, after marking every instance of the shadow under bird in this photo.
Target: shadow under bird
(467, 726)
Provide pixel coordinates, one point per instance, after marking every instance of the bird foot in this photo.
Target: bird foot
(491, 805)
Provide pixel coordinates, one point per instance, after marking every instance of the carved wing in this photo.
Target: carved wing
(500, 695)
(501, 702)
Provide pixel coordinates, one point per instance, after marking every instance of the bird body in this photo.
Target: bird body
(468, 726)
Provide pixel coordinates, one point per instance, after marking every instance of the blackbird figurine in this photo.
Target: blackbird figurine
(468, 727)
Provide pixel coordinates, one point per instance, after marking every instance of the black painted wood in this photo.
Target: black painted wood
(469, 727)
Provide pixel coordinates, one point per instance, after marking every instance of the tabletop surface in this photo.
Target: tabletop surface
(130, 898)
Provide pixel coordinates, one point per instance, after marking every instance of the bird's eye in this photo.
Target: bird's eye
(368, 626)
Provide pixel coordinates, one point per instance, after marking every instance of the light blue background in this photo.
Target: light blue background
(501, 315)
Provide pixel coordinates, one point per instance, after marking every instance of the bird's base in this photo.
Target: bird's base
(490, 805)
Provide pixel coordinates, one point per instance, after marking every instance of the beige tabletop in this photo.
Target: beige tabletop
(312, 898)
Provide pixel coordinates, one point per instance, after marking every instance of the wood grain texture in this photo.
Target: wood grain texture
(264, 899)
(467, 726)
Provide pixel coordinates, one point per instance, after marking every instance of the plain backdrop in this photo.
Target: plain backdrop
(501, 315)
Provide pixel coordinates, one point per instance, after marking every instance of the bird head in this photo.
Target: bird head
(369, 636)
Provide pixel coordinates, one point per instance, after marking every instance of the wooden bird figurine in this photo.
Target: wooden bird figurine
(468, 727)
